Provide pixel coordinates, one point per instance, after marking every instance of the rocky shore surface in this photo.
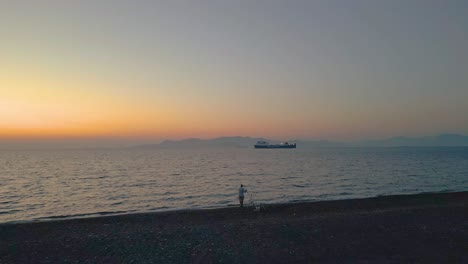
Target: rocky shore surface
(405, 228)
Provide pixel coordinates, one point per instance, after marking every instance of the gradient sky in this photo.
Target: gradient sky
(152, 70)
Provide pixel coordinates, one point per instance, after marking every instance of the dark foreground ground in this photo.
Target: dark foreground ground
(413, 228)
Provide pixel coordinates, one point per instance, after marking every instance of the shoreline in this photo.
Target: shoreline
(230, 206)
(421, 227)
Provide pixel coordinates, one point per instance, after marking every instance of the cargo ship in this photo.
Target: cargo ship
(264, 144)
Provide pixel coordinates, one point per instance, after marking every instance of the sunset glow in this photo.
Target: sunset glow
(158, 71)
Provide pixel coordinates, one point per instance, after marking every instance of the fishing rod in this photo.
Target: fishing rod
(253, 201)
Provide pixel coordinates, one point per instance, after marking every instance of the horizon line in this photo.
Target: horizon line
(125, 142)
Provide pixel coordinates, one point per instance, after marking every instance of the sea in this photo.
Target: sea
(41, 185)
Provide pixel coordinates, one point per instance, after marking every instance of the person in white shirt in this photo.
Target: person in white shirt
(241, 195)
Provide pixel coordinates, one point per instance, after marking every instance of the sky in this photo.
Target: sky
(144, 71)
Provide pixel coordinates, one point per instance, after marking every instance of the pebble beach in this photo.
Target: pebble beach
(402, 228)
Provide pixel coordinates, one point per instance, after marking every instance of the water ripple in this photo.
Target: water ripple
(80, 183)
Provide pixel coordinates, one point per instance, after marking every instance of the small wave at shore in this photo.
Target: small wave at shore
(212, 207)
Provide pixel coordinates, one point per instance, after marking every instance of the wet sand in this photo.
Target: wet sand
(408, 228)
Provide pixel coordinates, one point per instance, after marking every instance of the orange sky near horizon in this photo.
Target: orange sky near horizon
(151, 70)
(37, 104)
(46, 105)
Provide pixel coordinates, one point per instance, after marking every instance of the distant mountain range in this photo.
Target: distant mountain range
(221, 142)
(449, 140)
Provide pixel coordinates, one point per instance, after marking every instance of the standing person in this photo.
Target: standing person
(241, 195)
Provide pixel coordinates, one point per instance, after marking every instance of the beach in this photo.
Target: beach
(429, 227)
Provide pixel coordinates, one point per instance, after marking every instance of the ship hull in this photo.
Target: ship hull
(274, 146)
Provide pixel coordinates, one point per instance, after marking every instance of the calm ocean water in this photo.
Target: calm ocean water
(40, 185)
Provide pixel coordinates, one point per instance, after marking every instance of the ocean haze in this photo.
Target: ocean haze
(442, 140)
